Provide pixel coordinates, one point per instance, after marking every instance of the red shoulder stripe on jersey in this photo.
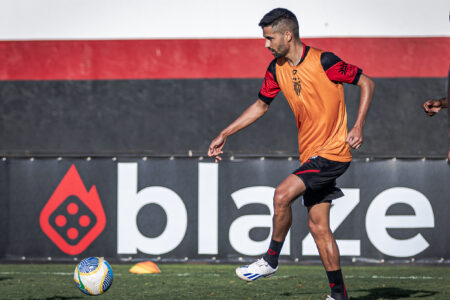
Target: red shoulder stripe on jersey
(343, 72)
(270, 87)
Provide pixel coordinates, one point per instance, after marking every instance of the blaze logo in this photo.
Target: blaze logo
(73, 217)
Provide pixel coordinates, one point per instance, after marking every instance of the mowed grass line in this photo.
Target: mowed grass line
(202, 281)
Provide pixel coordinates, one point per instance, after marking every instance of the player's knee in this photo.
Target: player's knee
(318, 229)
(280, 200)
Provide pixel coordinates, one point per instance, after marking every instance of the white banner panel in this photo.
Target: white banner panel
(142, 19)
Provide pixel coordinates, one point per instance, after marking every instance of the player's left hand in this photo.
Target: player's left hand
(355, 138)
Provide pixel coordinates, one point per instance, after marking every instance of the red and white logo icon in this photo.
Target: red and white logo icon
(73, 217)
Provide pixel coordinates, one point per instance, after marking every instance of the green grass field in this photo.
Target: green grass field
(202, 281)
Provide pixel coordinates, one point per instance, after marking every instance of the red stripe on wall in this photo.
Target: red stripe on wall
(209, 58)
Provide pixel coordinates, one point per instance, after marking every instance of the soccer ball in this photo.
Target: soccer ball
(93, 276)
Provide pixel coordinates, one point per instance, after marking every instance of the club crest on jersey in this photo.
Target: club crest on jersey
(296, 82)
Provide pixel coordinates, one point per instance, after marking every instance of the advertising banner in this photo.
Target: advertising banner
(190, 209)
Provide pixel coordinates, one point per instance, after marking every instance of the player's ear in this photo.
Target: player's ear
(287, 36)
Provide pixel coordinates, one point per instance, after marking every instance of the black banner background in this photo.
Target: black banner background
(27, 185)
(173, 117)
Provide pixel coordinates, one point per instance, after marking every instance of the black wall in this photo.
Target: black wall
(171, 117)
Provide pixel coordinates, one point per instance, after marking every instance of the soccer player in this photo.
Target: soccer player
(311, 80)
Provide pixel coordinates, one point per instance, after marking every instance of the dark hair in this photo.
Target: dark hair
(281, 16)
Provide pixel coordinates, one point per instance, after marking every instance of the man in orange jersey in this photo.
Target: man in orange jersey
(311, 80)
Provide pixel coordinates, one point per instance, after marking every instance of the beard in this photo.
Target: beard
(280, 52)
(276, 54)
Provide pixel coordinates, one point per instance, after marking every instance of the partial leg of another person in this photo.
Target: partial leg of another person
(285, 194)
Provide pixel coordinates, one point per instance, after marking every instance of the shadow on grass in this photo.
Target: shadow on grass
(392, 293)
(5, 278)
(296, 294)
(56, 298)
(289, 294)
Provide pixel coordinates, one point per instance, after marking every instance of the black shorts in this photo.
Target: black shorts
(319, 175)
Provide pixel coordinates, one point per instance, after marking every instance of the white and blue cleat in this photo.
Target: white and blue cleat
(256, 270)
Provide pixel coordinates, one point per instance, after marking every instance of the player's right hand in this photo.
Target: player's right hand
(215, 148)
(431, 107)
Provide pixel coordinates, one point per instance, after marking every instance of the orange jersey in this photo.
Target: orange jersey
(315, 94)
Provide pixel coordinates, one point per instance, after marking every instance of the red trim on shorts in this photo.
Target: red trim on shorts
(308, 171)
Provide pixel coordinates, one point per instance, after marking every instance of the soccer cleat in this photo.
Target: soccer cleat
(258, 269)
(339, 297)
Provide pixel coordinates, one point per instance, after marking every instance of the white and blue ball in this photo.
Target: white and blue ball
(93, 276)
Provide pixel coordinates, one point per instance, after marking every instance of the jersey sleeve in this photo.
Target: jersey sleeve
(339, 71)
(270, 88)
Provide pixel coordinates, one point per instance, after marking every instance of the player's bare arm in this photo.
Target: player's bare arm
(355, 135)
(250, 115)
(433, 106)
(448, 121)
